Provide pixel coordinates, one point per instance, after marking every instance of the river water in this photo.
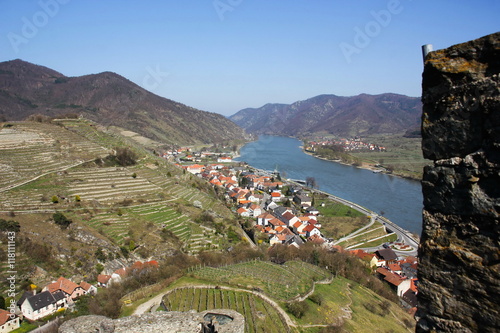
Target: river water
(400, 199)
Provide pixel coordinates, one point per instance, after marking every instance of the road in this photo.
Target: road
(404, 236)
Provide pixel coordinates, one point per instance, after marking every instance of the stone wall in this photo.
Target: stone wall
(459, 269)
(159, 322)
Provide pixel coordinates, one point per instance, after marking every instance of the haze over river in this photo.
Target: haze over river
(400, 199)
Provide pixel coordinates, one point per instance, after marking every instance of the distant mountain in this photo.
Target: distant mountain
(109, 99)
(344, 116)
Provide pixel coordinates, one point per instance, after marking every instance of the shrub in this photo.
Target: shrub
(55, 199)
(298, 309)
(77, 198)
(61, 220)
(9, 225)
(134, 175)
(316, 298)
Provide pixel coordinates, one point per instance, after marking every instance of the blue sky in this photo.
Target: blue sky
(226, 55)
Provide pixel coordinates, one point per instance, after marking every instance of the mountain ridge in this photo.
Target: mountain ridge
(109, 99)
(341, 115)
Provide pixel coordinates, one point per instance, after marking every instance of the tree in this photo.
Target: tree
(311, 182)
(77, 198)
(125, 156)
(2, 303)
(61, 220)
(55, 199)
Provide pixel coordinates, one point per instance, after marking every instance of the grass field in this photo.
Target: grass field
(355, 308)
(404, 155)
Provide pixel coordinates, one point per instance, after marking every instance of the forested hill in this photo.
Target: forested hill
(109, 99)
(345, 116)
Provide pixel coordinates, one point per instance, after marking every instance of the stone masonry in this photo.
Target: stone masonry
(159, 322)
(459, 270)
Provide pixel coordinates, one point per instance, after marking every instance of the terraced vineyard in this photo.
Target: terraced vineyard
(28, 150)
(260, 316)
(46, 168)
(109, 184)
(282, 282)
(154, 217)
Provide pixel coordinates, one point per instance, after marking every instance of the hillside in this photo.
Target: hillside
(109, 99)
(118, 213)
(343, 116)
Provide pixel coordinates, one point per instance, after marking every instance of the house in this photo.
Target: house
(293, 240)
(195, 168)
(312, 210)
(400, 284)
(276, 223)
(301, 200)
(39, 306)
(264, 218)
(103, 280)
(277, 239)
(298, 228)
(88, 288)
(224, 159)
(395, 268)
(386, 257)
(289, 218)
(256, 210)
(243, 212)
(368, 257)
(316, 239)
(311, 230)
(8, 321)
(276, 196)
(70, 289)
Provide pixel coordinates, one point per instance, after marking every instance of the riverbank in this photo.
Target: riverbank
(403, 236)
(365, 166)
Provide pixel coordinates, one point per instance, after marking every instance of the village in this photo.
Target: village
(282, 212)
(347, 145)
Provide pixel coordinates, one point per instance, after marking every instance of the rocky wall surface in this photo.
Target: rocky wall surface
(159, 322)
(459, 267)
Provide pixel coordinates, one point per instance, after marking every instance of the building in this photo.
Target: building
(8, 321)
(39, 306)
(70, 289)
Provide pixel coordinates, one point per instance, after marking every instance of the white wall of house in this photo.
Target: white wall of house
(31, 314)
(10, 325)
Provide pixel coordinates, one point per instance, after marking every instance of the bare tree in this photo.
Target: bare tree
(311, 182)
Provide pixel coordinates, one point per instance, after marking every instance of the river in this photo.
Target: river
(400, 199)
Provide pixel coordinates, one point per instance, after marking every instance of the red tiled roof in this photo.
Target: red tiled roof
(241, 210)
(309, 228)
(394, 267)
(63, 284)
(276, 222)
(4, 316)
(316, 239)
(85, 285)
(103, 279)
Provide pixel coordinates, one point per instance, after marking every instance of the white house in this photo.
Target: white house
(223, 159)
(8, 321)
(39, 306)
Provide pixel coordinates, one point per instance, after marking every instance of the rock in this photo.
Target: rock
(189, 322)
(459, 269)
